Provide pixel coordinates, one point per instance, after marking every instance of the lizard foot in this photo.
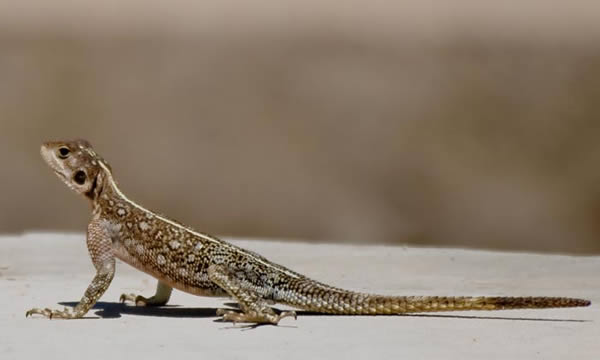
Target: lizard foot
(253, 316)
(160, 298)
(54, 314)
(139, 300)
(254, 308)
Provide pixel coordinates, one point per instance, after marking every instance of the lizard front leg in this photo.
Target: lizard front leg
(99, 245)
(254, 308)
(160, 298)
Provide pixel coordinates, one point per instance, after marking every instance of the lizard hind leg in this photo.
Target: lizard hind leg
(160, 298)
(254, 309)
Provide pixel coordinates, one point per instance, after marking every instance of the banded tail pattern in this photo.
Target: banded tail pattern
(323, 298)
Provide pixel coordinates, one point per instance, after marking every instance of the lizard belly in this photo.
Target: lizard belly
(202, 287)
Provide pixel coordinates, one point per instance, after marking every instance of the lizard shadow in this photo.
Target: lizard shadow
(111, 310)
(108, 310)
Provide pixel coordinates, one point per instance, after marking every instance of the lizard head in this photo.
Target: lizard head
(76, 164)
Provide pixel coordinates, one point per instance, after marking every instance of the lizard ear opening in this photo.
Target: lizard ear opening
(80, 177)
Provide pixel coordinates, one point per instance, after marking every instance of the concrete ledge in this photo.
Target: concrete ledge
(52, 270)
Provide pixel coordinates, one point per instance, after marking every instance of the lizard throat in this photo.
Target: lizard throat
(94, 191)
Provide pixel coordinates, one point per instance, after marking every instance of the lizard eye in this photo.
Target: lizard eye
(63, 152)
(79, 177)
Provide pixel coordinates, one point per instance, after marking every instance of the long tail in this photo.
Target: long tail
(376, 305)
(326, 299)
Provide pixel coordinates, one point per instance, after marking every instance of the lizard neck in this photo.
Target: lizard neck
(105, 193)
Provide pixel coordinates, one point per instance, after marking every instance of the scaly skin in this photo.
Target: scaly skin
(200, 264)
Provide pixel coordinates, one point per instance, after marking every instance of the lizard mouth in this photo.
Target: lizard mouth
(64, 179)
(60, 175)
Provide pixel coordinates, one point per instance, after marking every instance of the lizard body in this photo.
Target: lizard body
(200, 264)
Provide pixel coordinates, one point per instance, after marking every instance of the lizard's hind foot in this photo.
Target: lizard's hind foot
(160, 298)
(254, 308)
(254, 317)
(138, 300)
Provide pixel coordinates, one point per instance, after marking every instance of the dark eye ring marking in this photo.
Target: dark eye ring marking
(63, 152)
(80, 177)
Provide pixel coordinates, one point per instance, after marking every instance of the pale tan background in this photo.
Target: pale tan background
(462, 123)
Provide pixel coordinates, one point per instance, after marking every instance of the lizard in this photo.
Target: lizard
(200, 264)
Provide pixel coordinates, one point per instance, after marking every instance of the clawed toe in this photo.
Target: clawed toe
(126, 297)
(252, 317)
(222, 312)
(137, 300)
(285, 314)
(37, 311)
(51, 314)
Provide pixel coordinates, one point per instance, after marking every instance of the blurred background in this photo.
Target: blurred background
(462, 123)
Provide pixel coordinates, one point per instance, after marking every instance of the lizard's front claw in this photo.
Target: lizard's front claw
(45, 312)
(57, 314)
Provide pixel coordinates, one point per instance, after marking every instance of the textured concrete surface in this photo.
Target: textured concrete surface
(52, 270)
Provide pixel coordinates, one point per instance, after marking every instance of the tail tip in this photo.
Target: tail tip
(573, 302)
(584, 302)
